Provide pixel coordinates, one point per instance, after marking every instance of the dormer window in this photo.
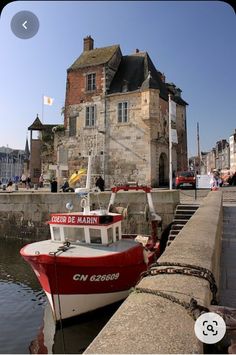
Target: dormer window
(91, 82)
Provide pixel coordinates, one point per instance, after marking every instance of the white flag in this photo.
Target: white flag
(48, 100)
(172, 109)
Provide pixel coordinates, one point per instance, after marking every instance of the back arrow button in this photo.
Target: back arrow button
(24, 25)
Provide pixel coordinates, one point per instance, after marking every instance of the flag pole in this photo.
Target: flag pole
(42, 108)
(170, 147)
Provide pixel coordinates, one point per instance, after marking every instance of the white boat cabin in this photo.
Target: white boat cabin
(90, 228)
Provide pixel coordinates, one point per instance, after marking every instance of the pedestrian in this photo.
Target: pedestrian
(9, 185)
(173, 179)
(233, 179)
(28, 182)
(54, 185)
(41, 180)
(215, 181)
(65, 185)
(100, 183)
(23, 179)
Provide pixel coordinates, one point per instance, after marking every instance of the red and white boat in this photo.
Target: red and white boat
(88, 263)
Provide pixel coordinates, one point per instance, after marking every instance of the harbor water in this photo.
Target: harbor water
(26, 320)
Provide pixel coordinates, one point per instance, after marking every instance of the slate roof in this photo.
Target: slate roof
(36, 125)
(175, 96)
(95, 56)
(132, 75)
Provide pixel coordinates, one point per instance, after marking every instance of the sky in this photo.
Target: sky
(191, 42)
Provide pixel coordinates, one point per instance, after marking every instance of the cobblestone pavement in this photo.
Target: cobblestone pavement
(228, 257)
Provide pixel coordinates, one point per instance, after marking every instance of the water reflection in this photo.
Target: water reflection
(75, 334)
(22, 300)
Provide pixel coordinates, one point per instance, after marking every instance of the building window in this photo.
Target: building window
(91, 82)
(122, 112)
(90, 116)
(72, 126)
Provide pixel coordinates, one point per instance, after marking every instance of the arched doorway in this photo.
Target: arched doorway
(163, 170)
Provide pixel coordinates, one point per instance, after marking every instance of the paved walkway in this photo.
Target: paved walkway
(228, 257)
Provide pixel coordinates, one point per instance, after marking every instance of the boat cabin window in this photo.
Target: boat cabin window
(95, 236)
(56, 233)
(110, 235)
(117, 233)
(74, 235)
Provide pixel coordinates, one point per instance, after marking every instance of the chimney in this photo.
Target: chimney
(88, 43)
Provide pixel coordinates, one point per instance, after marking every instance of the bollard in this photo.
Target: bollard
(16, 187)
(35, 187)
(4, 187)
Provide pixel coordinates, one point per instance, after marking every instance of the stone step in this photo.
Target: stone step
(171, 237)
(181, 217)
(174, 232)
(176, 227)
(185, 212)
(180, 221)
(187, 207)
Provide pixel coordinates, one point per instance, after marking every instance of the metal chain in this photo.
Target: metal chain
(61, 249)
(186, 269)
(193, 308)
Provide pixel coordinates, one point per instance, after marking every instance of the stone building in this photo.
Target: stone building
(117, 107)
(222, 155)
(43, 152)
(11, 164)
(232, 148)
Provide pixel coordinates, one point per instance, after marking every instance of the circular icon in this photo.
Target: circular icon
(210, 328)
(24, 24)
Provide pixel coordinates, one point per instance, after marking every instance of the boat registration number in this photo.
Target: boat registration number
(92, 278)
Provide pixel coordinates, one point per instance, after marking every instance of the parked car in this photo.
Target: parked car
(185, 179)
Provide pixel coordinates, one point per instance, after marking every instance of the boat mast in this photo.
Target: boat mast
(88, 185)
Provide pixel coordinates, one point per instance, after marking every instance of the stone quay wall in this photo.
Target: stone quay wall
(150, 324)
(25, 214)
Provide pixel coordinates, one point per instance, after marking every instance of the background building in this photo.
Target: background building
(11, 164)
(232, 149)
(117, 107)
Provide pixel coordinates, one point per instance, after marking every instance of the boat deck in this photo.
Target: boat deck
(81, 250)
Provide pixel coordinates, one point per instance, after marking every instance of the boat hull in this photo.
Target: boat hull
(77, 284)
(67, 306)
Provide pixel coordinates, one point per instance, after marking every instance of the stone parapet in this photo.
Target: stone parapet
(25, 215)
(147, 323)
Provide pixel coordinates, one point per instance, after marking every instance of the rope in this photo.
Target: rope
(59, 302)
(193, 308)
(60, 250)
(186, 269)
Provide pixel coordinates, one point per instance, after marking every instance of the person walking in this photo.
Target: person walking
(233, 179)
(100, 183)
(54, 185)
(215, 181)
(41, 180)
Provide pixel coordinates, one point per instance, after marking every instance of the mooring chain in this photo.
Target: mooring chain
(61, 249)
(193, 308)
(186, 269)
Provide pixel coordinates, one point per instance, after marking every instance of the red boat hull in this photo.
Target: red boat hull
(75, 285)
